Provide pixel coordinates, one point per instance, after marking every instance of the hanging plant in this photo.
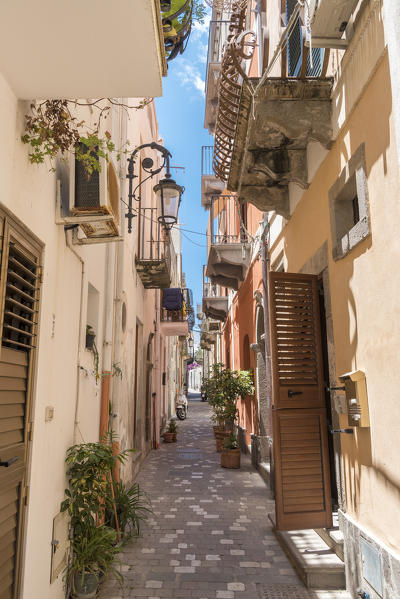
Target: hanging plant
(52, 128)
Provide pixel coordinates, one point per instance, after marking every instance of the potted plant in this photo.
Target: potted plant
(93, 556)
(89, 494)
(171, 432)
(132, 507)
(230, 455)
(223, 388)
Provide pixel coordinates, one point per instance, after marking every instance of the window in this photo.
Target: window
(349, 211)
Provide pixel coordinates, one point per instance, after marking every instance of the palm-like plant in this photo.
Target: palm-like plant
(132, 508)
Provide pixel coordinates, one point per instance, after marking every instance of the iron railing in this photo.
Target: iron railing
(186, 314)
(211, 289)
(177, 25)
(226, 221)
(153, 242)
(207, 161)
(217, 36)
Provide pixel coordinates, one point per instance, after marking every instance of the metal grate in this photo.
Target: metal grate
(285, 591)
(87, 189)
(20, 301)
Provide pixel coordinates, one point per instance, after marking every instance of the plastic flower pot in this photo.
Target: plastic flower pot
(85, 586)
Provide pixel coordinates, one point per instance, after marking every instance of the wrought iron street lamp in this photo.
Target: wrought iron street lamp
(167, 191)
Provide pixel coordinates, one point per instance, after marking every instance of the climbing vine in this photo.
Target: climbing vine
(52, 128)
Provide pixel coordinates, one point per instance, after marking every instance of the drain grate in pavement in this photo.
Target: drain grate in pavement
(193, 454)
(284, 591)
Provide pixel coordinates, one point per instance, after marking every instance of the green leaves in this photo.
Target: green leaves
(223, 388)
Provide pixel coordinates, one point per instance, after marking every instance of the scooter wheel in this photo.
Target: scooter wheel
(180, 414)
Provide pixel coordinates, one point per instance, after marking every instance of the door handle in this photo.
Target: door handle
(292, 393)
(9, 462)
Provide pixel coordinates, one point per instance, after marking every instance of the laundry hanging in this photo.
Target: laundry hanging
(172, 299)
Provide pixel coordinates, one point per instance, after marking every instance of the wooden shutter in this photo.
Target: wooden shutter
(19, 298)
(302, 477)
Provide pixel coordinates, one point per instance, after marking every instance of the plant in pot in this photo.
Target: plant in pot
(89, 494)
(132, 508)
(224, 387)
(94, 555)
(171, 432)
(230, 455)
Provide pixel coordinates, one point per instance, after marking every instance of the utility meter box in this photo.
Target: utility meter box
(356, 398)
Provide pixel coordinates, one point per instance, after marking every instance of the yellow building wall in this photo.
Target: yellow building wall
(364, 288)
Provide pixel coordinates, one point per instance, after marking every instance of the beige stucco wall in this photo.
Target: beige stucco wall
(29, 192)
(364, 293)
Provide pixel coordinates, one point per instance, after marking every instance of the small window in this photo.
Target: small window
(349, 211)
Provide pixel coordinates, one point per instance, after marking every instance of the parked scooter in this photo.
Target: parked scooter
(181, 407)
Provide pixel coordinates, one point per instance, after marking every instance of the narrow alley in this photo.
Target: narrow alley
(210, 535)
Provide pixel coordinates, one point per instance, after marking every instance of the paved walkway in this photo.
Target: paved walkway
(210, 536)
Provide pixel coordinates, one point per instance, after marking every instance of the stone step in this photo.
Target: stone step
(315, 562)
(333, 537)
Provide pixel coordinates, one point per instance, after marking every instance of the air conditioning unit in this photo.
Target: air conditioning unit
(90, 202)
(329, 18)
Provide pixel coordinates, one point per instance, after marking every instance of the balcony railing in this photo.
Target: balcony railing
(178, 320)
(177, 25)
(153, 259)
(226, 222)
(229, 250)
(210, 185)
(215, 299)
(217, 36)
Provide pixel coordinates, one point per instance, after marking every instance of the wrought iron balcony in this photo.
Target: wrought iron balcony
(262, 154)
(176, 316)
(215, 299)
(210, 185)
(229, 250)
(217, 36)
(153, 259)
(177, 25)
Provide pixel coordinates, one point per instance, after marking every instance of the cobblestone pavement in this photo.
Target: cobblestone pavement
(209, 537)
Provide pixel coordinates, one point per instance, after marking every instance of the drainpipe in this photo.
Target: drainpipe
(391, 14)
(267, 341)
(68, 241)
(107, 343)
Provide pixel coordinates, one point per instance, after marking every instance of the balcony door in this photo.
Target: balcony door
(300, 428)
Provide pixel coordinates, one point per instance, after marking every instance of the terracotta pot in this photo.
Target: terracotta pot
(217, 429)
(220, 436)
(168, 437)
(174, 439)
(230, 458)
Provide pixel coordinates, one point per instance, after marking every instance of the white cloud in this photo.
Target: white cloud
(200, 29)
(191, 76)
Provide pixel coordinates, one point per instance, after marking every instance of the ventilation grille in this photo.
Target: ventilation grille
(87, 189)
(20, 301)
(295, 334)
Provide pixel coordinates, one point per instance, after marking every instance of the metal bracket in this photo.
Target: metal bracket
(91, 240)
(347, 431)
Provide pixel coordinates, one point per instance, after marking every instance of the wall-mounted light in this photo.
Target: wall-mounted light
(167, 191)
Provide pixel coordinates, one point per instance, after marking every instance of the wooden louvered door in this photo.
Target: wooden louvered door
(301, 454)
(19, 287)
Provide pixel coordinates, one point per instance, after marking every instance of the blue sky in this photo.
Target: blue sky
(180, 114)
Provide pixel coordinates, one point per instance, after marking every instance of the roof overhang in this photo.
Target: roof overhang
(82, 49)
